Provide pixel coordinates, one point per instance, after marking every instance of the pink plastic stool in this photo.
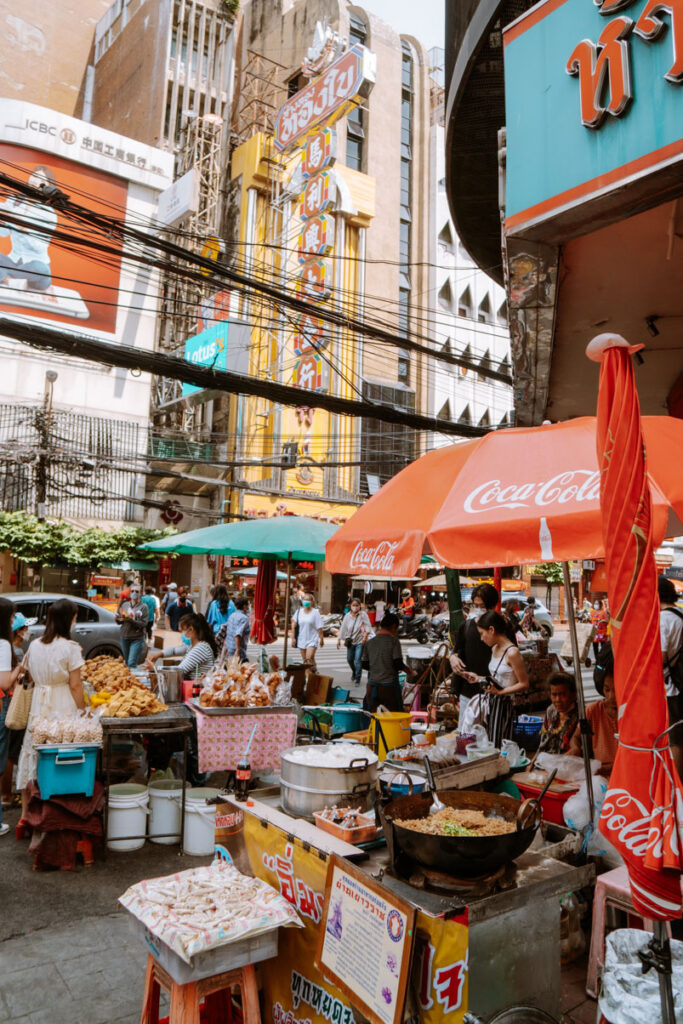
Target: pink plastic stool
(612, 888)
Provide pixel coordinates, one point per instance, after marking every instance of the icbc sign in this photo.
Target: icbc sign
(320, 151)
(327, 98)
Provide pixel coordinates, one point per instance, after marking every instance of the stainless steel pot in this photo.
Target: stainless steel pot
(306, 788)
(171, 685)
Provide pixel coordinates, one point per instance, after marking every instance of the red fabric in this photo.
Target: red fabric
(263, 627)
(642, 815)
(528, 494)
(60, 822)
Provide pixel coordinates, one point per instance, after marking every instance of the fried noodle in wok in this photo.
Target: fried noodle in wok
(454, 822)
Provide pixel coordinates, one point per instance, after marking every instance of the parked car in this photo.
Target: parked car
(96, 628)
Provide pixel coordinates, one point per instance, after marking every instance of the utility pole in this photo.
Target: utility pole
(44, 425)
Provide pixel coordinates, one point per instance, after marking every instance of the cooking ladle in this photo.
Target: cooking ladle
(436, 804)
(530, 812)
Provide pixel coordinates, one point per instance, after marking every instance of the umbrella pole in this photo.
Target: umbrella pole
(665, 988)
(584, 725)
(289, 584)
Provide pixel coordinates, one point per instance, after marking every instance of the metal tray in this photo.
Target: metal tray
(268, 709)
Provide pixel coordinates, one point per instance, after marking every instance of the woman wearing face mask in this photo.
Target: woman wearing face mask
(133, 615)
(198, 649)
(470, 653)
(355, 630)
(54, 663)
(307, 630)
(506, 675)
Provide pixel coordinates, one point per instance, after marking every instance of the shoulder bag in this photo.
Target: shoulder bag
(19, 706)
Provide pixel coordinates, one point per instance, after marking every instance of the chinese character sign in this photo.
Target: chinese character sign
(320, 194)
(308, 372)
(320, 151)
(310, 335)
(315, 281)
(316, 238)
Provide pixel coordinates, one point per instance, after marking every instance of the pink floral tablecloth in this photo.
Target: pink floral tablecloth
(223, 738)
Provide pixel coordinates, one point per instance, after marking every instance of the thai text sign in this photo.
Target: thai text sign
(594, 96)
(294, 990)
(327, 98)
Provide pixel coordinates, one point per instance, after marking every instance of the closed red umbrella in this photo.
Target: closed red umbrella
(263, 626)
(642, 815)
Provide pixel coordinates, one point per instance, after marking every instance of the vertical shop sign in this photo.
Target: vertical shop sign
(316, 238)
(320, 152)
(320, 194)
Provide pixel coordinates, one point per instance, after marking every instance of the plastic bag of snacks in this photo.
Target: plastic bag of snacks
(207, 907)
(78, 728)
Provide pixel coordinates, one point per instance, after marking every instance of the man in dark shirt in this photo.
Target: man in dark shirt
(383, 659)
(182, 606)
(471, 654)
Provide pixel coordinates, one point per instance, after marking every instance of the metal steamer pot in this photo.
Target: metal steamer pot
(170, 685)
(306, 788)
(462, 856)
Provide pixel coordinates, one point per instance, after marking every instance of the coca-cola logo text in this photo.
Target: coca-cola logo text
(379, 557)
(572, 485)
(628, 824)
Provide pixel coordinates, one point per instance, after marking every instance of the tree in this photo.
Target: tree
(46, 542)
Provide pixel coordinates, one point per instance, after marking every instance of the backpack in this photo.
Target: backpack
(675, 667)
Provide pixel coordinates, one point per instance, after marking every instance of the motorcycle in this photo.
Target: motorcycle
(416, 628)
(332, 624)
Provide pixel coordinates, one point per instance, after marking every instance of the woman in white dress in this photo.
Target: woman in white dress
(54, 662)
(307, 630)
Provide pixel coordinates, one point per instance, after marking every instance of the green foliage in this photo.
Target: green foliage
(550, 571)
(232, 6)
(45, 542)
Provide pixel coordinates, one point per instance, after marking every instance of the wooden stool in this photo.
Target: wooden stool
(611, 889)
(186, 999)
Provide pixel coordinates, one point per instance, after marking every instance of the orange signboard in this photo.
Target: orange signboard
(41, 274)
(320, 151)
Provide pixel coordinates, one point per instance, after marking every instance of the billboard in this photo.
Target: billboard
(594, 108)
(42, 275)
(224, 346)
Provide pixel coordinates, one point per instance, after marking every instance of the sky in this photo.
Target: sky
(423, 20)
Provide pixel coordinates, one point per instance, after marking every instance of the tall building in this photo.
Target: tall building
(468, 307)
(45, 48)
(73, 433)
(328, 463)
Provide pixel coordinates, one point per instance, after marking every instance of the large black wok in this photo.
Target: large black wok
(460, 856)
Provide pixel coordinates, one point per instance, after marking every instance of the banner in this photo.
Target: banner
(294, 990)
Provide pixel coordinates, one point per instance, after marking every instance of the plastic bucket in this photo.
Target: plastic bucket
(164, 811)
(347, 717)
(395, 730)
(127, 816)
(200, 822)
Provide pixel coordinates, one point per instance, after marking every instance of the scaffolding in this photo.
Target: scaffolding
(201, 148)
(260, 97)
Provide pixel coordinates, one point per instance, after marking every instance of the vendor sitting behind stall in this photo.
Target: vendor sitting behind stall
(383, 659)
(602, 716)
(198, 649)
(562, 717)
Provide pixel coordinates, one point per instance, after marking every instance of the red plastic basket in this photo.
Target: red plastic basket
(551, 804)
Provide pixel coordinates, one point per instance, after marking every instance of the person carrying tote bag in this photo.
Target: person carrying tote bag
(10, 674)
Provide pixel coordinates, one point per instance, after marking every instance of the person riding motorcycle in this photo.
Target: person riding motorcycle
(407, 604)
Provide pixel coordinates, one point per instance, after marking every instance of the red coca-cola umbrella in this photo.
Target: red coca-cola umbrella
(642, 815)
(263, 625)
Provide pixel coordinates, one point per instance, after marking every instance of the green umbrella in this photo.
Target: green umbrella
(289, 538)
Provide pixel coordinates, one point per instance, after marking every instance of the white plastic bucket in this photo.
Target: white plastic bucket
(127, 816)
(200, 822)
(164, 811)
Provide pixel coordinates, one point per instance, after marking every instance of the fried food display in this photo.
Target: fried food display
(133, 703)
(459, 822)
(238, 685)
(110, 674)
(122, 693)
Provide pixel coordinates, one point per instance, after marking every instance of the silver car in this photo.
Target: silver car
(96, 628)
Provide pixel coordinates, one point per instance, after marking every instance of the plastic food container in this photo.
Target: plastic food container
(363, 834)
(66, 769)
(551, 804)
(249, 950)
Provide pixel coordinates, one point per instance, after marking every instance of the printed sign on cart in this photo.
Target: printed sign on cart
(365, 942)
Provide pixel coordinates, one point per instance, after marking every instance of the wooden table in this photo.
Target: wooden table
(177, 720)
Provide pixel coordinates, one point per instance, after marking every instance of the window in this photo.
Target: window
(484, 315)
(358, 32)
(465, 417)
(31, 609)
(386, 448)
(485, 364)
(405, 231)
(465, 303)
(356, 122)
(444, 412)
(404, 244)
(502, 314)
(86, 614)
(446, 239)
(485, 420)
(446, 296)
(403, 311)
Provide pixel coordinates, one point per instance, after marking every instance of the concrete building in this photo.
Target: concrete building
(44, 51)
(73, 433)
(468, 307)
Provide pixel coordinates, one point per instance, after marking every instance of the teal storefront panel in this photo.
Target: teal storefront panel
(553, 160)
(209, 348)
